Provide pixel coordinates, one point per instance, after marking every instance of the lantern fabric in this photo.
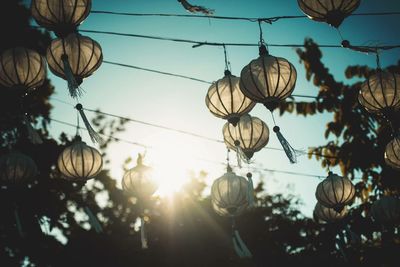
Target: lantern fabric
(138, 181)
(225, 213)
(16, 168)
(83, 54)
(335, 192)
(60, 16)
(225, 99)
(22, 68)
(380, 93)
(268, 79)
(392, 153)
(250, 135)
(80, 162)
(328, 215)
(230, 193)
(386, 210)
(332, 12)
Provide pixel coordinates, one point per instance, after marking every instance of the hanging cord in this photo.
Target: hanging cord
(250, 189)
(239, 246)
(378, 61)
(227, 63)
(291, 153)
(33, 135)
(94, 136)
(18, 221)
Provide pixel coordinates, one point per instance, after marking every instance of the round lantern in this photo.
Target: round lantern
(328, 215)
(60, 16)
(268, 79)
(16, 168)
(386, 210)
(230, 193)
(380, 93)
(138, 181)
(250, 135)
(80, 162)
(335, 192)
(74, 58)
(332, 12)
(392, 153)
(225, 99)
(22, 68)
(224, 212)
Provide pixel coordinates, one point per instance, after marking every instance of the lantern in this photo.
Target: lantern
(392, 153)
(225, 99)
(80, 162)
(60, 16)
(16, 168)
(335, 192)
(380, 93)
(328, 215)
(74, 58)
(224, 212)
(332, 12)
(22, 68)
(386, 210)
(138, 181)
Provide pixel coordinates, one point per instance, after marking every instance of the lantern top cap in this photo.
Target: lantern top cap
(227, 72)
(229, 168)
(263, 51)
(139, 160)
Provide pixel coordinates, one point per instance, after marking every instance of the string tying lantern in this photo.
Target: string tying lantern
(139, 183)
(332, 12)
(335, 192)
(386, 210)
(16, 169)
(392, 153)
(60, 16)
(74, 58)
(328, 215)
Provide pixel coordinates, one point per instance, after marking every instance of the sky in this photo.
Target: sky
(180, 103)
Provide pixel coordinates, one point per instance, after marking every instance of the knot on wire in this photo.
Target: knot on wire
(79, 106)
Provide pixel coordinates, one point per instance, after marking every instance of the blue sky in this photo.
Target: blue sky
(179, 103)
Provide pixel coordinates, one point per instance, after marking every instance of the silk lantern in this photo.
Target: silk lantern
(16, 169)
(392, 153)
(328, 215)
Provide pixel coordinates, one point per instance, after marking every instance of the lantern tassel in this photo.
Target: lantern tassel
(340, 243)
(33, 135)
(18, 222)
(250, 189)
(143, 236)
(73, 86)
(236, 247)
(289, 150)
(93, 220)
(96, 138)
(242, 246)
(354, 238)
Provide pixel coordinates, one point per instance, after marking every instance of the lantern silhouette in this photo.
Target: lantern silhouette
(392, 153)
(74, 58)
(22, 68)
(139, 181)
(16, 169)
(328, 215)
(335, 192)
(332, 12)
(250, 135)
(225, 99)
(386, 210)
(380, 93)
(60, 16)
(80, 162)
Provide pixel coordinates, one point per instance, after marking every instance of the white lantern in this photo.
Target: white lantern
(328, 215)
(16, 169)
(22, 68)
(224, 212)
(380, 93)
(392, 153)
(225, 99)
(335, 192)
(250, 135)
(386, 210)
(80, 162)
(230, 193)
(139, 181)
(332, 12)
(60, 16)
(268, 79)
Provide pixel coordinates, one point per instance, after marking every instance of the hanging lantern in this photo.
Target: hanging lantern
(332, 12)
(74, 58)
(225, 99)
(224, 212)
(22, 68)
(392, 153)
(380, 93)
(249, 136)
(80, 162)
(16, 168)
(60, 16)
(328, 215)
(138, 181)
(335, 192)
(386, 210)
